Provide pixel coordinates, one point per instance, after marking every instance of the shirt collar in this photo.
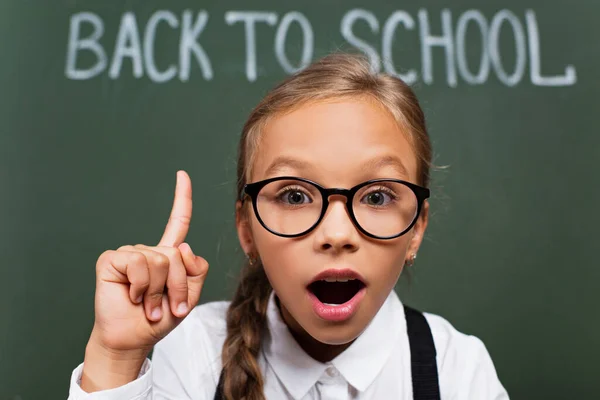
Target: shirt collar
(287, 358)
(373, 347)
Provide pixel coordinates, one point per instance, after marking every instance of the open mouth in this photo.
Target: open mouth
(335, 291)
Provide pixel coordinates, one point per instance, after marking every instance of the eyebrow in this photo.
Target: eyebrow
(283, 162)
(386, 161)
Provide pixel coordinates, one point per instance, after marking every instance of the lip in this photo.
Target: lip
(337, 313)
(340, 312)
(341, 273)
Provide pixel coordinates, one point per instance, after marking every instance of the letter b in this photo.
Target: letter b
(90, 43)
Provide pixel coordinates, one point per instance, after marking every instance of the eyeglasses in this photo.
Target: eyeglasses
(380, 208)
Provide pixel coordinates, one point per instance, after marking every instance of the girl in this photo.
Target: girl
(332, 204)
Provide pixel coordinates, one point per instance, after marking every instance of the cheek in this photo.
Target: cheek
(386, 265)
(284, 259)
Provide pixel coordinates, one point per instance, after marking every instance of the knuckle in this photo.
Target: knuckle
(178, 286)
(155, 297)
(141, 284)
(171, 252)
(159, 263)
(126, 247)
(182, 219)
(160, 260)
(104, 258)
(138, 258)
(106, 254)
(140, 280)
(203, 266)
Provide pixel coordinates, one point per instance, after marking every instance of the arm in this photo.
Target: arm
(185, 365)
(108, 375)
(104, 369)
(140, 389)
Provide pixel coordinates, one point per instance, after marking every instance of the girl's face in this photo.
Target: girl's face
(337, 143)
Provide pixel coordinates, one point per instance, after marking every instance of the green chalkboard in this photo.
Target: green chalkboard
(101, 102)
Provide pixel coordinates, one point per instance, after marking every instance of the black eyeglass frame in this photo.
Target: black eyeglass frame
(252, 190)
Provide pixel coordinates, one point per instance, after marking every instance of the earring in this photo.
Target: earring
(251, 260)
(411, 260)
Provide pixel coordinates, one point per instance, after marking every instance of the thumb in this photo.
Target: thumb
(196, 268)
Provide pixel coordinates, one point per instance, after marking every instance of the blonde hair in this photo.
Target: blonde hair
(334, 76)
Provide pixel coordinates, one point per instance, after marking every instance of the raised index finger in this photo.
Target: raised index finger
(181, 214)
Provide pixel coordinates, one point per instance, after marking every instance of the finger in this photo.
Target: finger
(153, 258)
(127, 267)
(139, 279)
(158, 269)
(181, 213)
(176, 280)
(197, 270)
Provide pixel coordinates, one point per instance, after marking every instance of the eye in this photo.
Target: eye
(379, 197)
(293, 196)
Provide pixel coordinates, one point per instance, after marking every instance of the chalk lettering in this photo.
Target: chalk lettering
(188, 45)
(519, 36)
(127, 45)
(389, 29)
(149, 37)
(250, 18)
(307, 43)
(471, 31)
(570, 76)
(445, 41)
(461, 53)
(90, 43)
(346, 28)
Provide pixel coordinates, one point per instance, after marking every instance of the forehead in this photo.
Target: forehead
(335, 142)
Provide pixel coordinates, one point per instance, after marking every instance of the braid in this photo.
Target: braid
(246, 319)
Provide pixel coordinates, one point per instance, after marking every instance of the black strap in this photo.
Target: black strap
(422, 358)
(219, 393)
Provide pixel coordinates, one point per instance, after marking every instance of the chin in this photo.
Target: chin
(336, 334)
(334, 338)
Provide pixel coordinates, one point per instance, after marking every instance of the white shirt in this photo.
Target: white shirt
(186, 364)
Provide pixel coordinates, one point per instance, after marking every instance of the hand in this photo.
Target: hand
(143, 292)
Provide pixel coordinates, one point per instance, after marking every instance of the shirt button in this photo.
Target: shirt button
(331, 371)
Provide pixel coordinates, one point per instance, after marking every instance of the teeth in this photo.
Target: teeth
(334, 305)
(338, 279)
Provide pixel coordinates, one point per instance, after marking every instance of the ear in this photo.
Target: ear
(244, 232)
(419, 230)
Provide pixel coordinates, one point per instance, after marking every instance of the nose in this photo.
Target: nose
(336, 232)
